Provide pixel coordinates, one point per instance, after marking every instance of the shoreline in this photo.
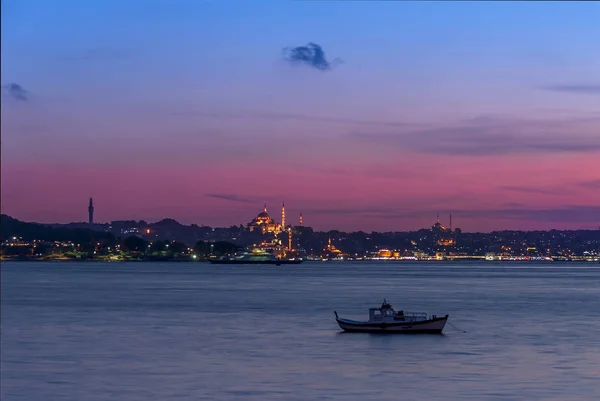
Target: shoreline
(470, 260)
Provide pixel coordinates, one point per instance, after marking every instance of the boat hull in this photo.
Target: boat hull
(430, 326)
(254, 262)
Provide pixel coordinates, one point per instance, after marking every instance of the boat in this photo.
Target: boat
(255, 257)
(386, 320)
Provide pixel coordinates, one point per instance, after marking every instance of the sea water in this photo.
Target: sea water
(195, 331)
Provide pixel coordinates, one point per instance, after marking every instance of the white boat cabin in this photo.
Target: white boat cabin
(385, 313)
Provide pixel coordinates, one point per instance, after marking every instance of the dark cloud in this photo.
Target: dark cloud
(16, 91)
(311, 55)
(592, 89)
(488, 136)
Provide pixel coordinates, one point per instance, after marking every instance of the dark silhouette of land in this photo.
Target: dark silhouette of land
(169, 240)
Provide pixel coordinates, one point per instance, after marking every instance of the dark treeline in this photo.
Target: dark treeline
(11, 227)
(86, 243)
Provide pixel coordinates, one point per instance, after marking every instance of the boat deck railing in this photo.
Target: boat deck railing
(415, 314)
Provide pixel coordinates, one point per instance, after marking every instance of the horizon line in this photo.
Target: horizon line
(303, 226)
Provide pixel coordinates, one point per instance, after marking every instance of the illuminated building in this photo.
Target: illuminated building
(282, 216)
(444, 235)
(331, 252)
(290, 247)
(384, 254)
(300, 219)
(264, 223)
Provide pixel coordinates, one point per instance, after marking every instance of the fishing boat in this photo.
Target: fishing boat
(255, 257)
(386, 320)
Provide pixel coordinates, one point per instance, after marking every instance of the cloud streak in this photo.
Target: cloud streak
(311, 55)
(295, 117)
(588, 89)
(534, 190)
(237, 198)
(100, 54)
(492, 137)
(562, 214)
(593, 184)
(16, 91)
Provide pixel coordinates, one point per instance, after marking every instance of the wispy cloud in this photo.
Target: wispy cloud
(536, 190)
(238, 198)
(590, 89)
(99, 54)
(488, 136)
(593, 184)
(311, 55)
(298, 117)
(562, 214)
(576, 214)
(16, 91)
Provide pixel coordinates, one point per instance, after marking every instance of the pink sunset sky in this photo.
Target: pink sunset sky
(503, 133)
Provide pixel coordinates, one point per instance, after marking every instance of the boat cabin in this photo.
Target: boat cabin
(386, 313)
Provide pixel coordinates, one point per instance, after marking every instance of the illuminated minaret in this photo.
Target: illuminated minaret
(450, 221)
(282, 216)
(438, 217)
(300, 219)
(265, 209)
(91, 212)
(290, 239)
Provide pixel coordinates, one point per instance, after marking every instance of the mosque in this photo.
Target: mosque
(445, 236)
(264, 223)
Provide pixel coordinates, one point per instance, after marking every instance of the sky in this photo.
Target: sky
(359, 115)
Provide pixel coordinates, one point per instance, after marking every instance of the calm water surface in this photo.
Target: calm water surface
(175, 331)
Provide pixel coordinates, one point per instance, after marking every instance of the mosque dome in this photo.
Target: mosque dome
(263, 215)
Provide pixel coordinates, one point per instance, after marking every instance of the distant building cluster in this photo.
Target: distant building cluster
(263, 232)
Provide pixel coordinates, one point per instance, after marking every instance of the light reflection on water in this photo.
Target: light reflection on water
(90, 331)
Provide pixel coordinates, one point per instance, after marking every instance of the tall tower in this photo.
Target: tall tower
(290, 247)
(450, 221)
(91, 212)
(438, 217)
(300, 219)
(282, 216)
(265, 209)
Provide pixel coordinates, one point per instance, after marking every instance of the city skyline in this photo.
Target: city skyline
(203, 112)
(269, 223)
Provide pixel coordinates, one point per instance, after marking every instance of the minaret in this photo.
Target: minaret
(300, 219)
(265, 209)
(91, 212)
(438, 217)
(450, 221)
(282, 216)
(290, 239)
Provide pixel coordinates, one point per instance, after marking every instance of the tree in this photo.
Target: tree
(158, 246)
(221, 248)
(177, 247)
(202, 249)
(135, 244)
